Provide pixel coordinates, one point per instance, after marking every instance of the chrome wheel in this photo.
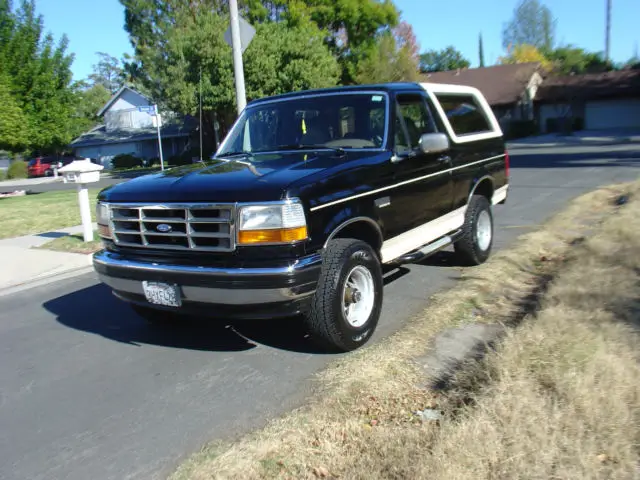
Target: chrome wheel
(483, 230)
(358, 296)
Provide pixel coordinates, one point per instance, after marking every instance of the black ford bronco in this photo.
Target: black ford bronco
(308, 198)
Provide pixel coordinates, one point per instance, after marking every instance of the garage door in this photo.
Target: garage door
(605, 114)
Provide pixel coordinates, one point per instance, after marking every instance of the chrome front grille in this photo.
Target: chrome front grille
(195, 227)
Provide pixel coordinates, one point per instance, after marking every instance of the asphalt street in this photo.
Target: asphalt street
(89, 391)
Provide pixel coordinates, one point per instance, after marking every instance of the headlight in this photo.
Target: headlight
(102, 219)
(273, 223)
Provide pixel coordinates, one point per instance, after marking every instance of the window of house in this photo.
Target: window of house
(465, 114)
(413, 119)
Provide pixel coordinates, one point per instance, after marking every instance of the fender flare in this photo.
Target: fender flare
(351, 221)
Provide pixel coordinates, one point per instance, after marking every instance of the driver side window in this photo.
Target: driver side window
(413, 119)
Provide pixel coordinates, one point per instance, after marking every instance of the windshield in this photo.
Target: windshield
(341, 120)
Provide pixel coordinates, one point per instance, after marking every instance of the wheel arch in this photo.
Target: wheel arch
(361, 228)
(482, 186)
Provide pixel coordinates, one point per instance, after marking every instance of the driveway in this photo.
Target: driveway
(90, 391)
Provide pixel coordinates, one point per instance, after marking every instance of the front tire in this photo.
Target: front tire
(474, 246)
(346, 305)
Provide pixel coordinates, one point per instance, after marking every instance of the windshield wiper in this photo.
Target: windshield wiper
(234, 154)
(301, 146)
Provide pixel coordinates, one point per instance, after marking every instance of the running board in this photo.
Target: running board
(426, 250)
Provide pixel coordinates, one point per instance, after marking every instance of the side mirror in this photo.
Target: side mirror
(434, 143)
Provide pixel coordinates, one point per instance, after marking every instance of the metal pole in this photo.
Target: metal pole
(215, 128)
(85, 212)
(238, 69)
(155, 108)
(200, 113)
(608, 33)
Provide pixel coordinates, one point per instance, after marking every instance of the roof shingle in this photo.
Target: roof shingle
(623, 83)
(500, 84)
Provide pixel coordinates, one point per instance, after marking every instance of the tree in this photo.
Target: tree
(404, 37)
(107, 72)
(13, 135)
(525, 53)
(352, 26)
(297, 55)
(387, 63)
(174, 41)
(572, 60)
(443, 60)
(481, 51)
(634, 62)
(37, 79)
(88, 102)
(532, 24)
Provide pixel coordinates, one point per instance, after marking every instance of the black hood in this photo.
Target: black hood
(261, 177)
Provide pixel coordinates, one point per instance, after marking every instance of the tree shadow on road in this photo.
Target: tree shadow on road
(95, 310)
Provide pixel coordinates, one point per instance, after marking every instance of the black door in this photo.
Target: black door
(423, 181)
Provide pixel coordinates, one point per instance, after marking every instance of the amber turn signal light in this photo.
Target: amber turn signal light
(276, 235)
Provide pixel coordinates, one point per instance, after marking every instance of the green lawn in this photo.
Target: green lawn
(74, 244)
(41, 212)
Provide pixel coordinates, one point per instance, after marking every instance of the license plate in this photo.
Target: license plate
(162, 293)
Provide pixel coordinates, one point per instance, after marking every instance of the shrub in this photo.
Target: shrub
(17, 169)
(153, 161)
(126, 160)
(185, 158)
(3, 175)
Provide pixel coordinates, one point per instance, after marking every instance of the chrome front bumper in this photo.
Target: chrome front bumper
(282, 282)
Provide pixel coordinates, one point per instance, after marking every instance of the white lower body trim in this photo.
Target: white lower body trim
(499, 195)
(415, 238)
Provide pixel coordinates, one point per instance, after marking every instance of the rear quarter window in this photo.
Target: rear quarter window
(464, 113)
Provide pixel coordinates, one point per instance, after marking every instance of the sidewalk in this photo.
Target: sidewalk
(23, 265)
(24, 182)
(584, 137)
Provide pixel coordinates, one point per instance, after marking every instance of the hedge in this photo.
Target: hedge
(125, 160)
(17, 169)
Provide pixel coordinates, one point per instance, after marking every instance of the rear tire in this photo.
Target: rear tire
(156, 317)
(346, 305)
(474, 247)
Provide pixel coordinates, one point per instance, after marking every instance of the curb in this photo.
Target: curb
(45, 280)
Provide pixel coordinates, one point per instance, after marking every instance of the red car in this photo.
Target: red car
(41, 166)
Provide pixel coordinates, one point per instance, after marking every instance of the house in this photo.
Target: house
(594, 101)
(509, 89)
(127, 130)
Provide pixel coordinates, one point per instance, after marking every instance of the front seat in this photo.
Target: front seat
(317, 132)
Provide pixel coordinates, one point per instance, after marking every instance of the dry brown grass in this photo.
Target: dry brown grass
(531, 420)
(564, 396)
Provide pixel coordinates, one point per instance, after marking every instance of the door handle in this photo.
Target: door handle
(444, 158)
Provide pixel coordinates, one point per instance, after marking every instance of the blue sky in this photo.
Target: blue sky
(94, 26)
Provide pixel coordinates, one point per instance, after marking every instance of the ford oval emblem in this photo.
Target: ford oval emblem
(164, 228)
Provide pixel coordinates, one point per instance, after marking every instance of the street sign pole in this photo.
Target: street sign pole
(238, 68)
(158, 122)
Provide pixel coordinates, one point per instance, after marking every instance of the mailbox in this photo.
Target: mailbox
(81, 171)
